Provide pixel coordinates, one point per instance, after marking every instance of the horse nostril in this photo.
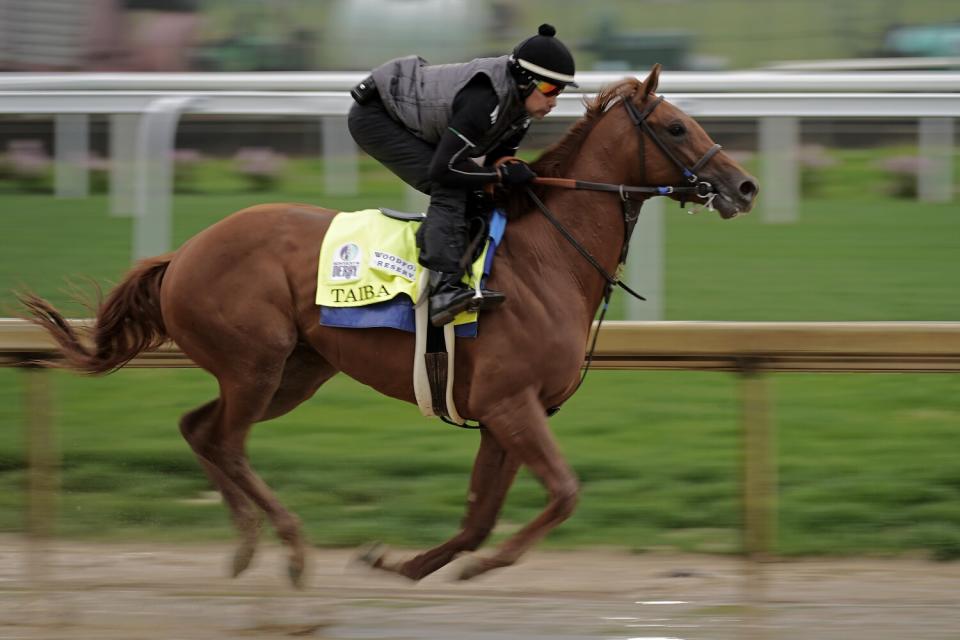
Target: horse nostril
(748, 188)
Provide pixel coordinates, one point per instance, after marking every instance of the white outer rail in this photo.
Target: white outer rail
(570, 105)
(590, 82)
(778, 99)
(161, 110)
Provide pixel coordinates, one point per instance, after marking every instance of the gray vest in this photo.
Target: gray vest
(421, 96)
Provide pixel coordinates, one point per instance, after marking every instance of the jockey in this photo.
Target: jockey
(431, 125)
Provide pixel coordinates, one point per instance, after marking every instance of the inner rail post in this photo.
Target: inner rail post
(759, 476)
(43, 479)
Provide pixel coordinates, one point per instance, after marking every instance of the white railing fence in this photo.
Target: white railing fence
(145, 110)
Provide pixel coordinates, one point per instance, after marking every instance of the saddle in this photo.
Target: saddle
(369, 276)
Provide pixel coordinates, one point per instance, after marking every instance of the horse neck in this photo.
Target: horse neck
(594, 219)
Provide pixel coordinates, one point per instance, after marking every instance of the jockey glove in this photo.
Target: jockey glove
(515, 172)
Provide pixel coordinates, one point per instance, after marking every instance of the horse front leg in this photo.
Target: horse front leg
(520, 425)
(493, 473)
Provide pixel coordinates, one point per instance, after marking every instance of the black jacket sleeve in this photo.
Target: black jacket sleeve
(472, 110)
(508, 147)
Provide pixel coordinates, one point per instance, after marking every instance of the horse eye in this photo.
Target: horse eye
(676, 129)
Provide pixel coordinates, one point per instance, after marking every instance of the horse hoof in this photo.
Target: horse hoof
(295, 571)
(242, 558)
(372, 555)
(476, 566)
(472, 569)
(250, 533)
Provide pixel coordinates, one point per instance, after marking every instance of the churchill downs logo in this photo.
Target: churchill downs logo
(346, 263)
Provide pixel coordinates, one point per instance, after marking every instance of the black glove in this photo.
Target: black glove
(516, 172)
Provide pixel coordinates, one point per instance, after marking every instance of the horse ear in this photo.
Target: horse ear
(650, 84)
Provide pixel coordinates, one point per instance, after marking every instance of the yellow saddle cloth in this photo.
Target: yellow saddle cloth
(368, 258)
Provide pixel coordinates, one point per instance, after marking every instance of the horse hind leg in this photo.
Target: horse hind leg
(493, 473)
(247, 518)
(245, 398)
(217, 433)
(303, 373)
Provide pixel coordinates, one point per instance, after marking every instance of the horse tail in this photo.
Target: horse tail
(127, 323)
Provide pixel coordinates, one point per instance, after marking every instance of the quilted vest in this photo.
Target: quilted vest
(420, 96)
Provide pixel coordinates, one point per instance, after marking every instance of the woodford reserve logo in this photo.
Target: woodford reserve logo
(383, 261)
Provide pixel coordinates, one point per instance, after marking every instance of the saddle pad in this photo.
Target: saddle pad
(368, 272)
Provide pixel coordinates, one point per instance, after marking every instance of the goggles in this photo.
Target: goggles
(548, 88)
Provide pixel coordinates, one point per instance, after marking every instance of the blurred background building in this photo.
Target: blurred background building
(295, 35)
(99, 35)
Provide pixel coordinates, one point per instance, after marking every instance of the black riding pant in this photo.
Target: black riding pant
(442, 237)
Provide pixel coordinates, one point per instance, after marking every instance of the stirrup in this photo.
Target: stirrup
(487, 300)
(446, 315)
(459, 297)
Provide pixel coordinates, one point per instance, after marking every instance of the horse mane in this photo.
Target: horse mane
(556, 160)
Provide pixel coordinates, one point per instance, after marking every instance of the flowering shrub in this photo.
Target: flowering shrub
(98, 169)
(903, 172)
(28, 165)
(261, 167)
(813, 159)
(185, 163)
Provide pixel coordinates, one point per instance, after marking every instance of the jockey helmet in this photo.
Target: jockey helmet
(542, 59)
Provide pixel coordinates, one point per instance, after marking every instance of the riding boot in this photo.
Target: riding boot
(442, 239)
(449, 296)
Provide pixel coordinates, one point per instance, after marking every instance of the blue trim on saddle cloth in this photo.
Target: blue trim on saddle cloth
(389, 314)
(398, 313)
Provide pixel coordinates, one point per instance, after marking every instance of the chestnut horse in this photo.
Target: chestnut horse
(238, 299)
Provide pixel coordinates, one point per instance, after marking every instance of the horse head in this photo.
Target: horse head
(673, 149)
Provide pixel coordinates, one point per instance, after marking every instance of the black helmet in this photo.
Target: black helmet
(542, 57)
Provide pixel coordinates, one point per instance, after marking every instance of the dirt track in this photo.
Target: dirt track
(152, 592)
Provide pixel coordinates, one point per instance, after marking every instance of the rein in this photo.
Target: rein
(697, 188)
(612, 281)
(701, 190)
(629, 222)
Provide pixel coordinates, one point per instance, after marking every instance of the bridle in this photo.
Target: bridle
(702, 188)
(696, 188)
